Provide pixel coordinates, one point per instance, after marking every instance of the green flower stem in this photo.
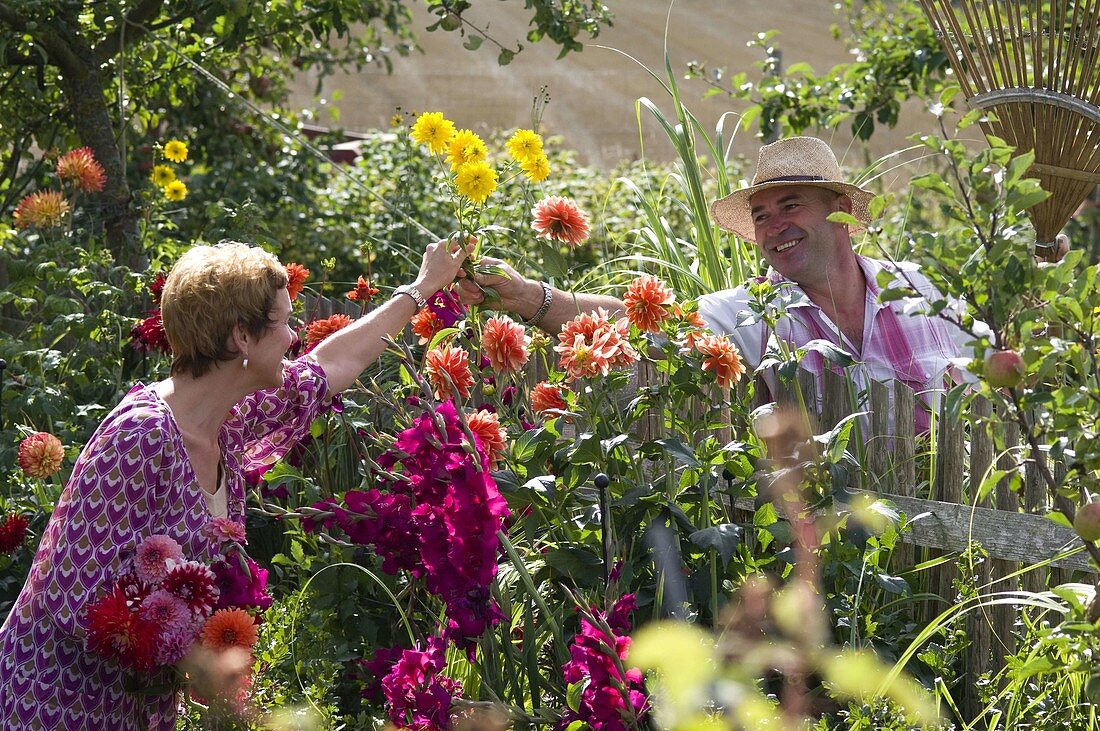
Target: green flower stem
(529, 583)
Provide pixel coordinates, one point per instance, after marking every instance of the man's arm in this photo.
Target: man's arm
(525, 298)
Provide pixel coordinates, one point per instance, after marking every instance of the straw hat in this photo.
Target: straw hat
(793, 161)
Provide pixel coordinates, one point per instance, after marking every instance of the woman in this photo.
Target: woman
(171, 456)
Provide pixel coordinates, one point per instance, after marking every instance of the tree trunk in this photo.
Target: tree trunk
(84, 88)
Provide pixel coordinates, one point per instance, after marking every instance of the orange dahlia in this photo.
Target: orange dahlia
(693, 323)
(505, 344)
(80, 168)
(40, 455)
(425, 324)
(593, 344)
(548, 399)
(559, 219)
(297, 274)
(41, 209)
(721, 356)
(486, 427)
(447, 365)
(318, 330)
(647, 303)
(228, 628)
(363, 291)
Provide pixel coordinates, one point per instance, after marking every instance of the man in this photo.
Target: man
(830, 292)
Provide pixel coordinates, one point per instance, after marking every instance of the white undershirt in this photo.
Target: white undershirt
(217, 504)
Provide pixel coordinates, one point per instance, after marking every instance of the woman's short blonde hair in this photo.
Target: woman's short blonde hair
(209, 291)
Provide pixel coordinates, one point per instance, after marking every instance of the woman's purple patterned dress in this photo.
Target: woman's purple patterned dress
(132, 480)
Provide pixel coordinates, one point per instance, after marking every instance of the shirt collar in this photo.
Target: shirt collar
(870, 267)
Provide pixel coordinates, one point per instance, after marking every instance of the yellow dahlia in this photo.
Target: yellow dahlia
(433, 130)
(525, 146)
(175, 191)
(465, 147)
(476, 181)
(536, 169)
(175, 150)
(162, 175)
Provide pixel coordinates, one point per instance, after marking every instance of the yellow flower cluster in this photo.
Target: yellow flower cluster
(466, 153)
(164, 177)
(525, 147)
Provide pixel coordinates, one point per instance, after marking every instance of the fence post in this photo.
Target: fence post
(877, 441)
(1060, 576)
(835, 403)
(950, 462)
(903, 467)
(978, 623)
(1004, 616)
(1035, 501)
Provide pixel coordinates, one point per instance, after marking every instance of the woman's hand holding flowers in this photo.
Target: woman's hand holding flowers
(440, 265)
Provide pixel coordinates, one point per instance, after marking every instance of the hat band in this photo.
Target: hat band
(794, 179)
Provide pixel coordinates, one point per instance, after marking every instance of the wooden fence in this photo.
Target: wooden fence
(947, 514)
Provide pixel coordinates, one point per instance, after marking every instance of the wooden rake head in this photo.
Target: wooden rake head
(1036, 66)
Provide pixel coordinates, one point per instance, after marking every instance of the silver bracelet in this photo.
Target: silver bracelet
(547, 300)
(413, 293)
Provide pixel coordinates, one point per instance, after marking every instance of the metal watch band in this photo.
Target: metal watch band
(547, 300)
(413, 293)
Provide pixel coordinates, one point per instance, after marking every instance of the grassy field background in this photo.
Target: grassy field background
(593, 93)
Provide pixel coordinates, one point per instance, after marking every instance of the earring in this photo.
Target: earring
(244, 363)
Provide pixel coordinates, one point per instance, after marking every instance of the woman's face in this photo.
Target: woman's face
(266, 355)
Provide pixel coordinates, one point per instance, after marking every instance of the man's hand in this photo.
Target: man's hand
(1053, 254)
(514, 293)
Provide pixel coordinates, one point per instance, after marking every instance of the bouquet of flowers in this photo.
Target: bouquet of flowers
(163, 604)
(470, 176)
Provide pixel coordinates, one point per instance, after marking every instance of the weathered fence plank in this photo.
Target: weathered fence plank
(979, 623)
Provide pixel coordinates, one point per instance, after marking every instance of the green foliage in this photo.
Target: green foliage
(897, 57)
(204, 70)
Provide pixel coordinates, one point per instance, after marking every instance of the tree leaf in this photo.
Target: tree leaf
(723, 539)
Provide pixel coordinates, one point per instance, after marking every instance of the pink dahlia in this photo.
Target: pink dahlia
(40, 455)
(153, 555)
(592, 344)
(80, 168)
(447, 367)
(505, 343)
(224, 529)
(166, 609)
(647, 303)
(195, 584)
(175, 644)
(559, 219)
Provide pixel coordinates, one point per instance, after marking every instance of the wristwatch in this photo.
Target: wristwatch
(411, 291)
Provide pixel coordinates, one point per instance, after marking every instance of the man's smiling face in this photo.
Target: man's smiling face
(793, 233)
